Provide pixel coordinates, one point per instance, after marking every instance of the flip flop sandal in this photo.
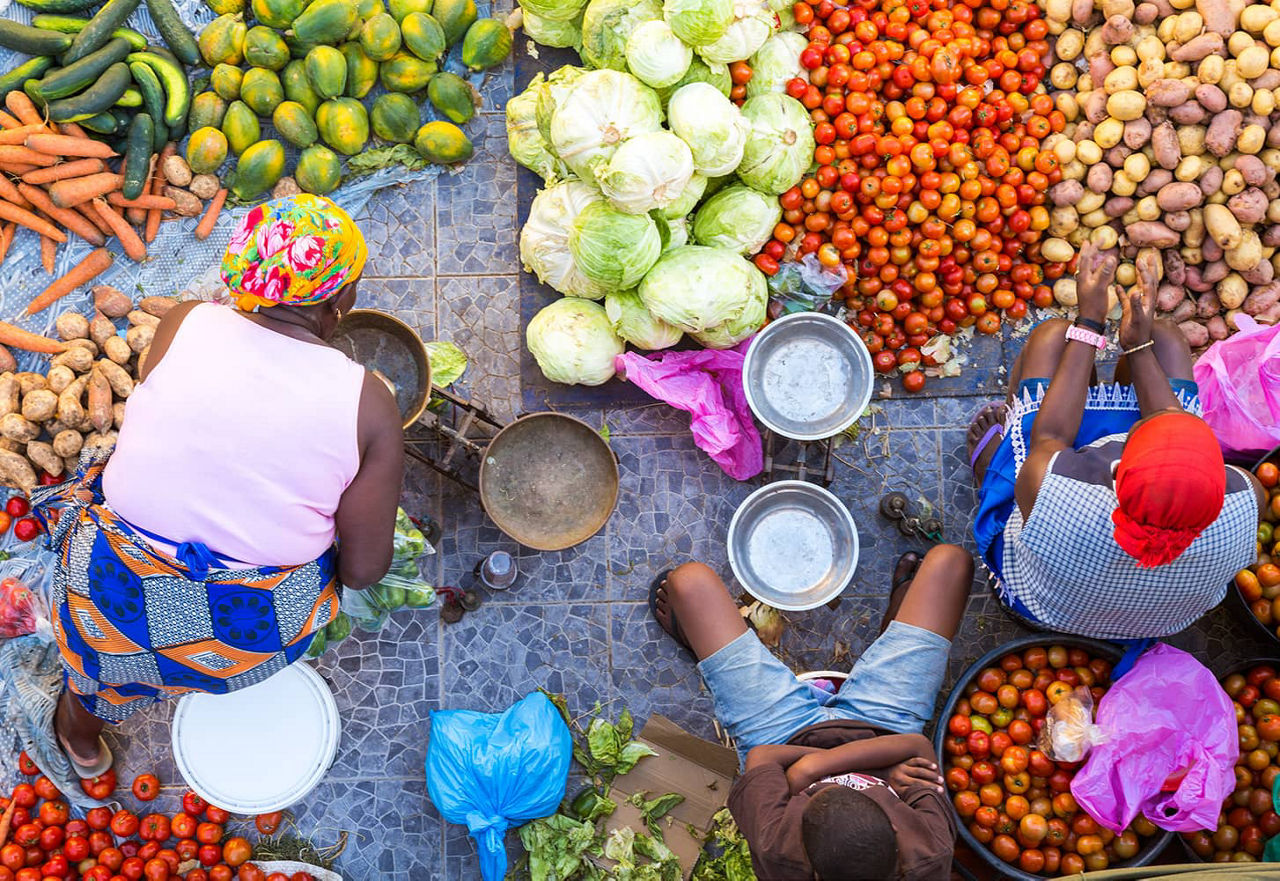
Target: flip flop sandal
(995, 431)
(674, 630)
(88, 772)
(910, 574)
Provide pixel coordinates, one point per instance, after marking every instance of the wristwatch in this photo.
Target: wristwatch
(1084, 335)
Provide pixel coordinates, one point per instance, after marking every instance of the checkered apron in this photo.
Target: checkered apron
(135, 625)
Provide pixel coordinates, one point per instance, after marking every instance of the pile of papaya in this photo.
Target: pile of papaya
(307, 69)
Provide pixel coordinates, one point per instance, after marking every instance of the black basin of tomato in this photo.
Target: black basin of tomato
(1235, 600)
(1151, 848)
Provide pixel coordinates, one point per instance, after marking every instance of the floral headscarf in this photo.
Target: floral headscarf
(294, 251)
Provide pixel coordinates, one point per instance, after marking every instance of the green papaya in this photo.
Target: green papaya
(380, 37)
(423, 36)
(455, 16)
(486, 44)
(260, 166)
(261, 90)
(344, 125)
(207, 109)
(367, 9)
(295, 124)
(222, 7)
(263, 47)
(319, 170)
(406, 73)
(277, 14)
(206, 150)
(225, 80)
(362, 71)
(401, 8)
(325, 21)
(327, 71)
(395, 118)
(297, 86)
(240, 125)
(452, 96)
(443, 142)
(222, 40)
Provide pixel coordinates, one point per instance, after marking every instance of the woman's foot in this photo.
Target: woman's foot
(985, 433)
(903, 573)
(660, 608)
(79, 735)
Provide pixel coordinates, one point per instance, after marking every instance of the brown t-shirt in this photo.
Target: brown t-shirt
(769, 816)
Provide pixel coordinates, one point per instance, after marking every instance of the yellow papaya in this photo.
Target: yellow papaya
(380, 37)
(295, 124)
(362, 71)
(395, 117)
(222, 40)
(343, 125)
(455, 16)
(260, 166)
(452, 96)
(443, 142)
(206, 150)
(423, 36)
(406, 73)
(225, 80)
(261, 90)
(327, 71)
(297, 86)
(319, 170)
(263, 47)
(487, 44)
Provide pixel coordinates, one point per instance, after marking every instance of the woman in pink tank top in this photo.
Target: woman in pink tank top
(202, 556)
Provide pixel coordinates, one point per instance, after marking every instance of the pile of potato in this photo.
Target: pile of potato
(1172, 143)
(47, 419)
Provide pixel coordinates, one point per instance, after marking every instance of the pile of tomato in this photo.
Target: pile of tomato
(1248, 816)
(928, 187)
(1260, 583)
(1012, 797)
(42, 842)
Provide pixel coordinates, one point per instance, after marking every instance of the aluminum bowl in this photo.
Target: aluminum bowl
(808, 376)
(793, 545)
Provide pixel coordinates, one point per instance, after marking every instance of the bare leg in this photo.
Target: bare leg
(935, 598)
(694, 603)
(78, 729)
(1172, 352)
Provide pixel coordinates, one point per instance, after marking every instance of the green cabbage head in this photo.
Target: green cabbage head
(606, 27)
(602, 109)
(573, 342)
(738, 218)
(779, 148)
(612, 248)
(633, 322)
(699, 288)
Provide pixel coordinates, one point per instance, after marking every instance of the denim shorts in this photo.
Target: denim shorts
(894, 685)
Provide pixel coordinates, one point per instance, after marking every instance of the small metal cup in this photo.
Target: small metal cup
(497, 571)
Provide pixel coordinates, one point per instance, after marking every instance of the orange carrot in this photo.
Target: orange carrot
(25, 155)
(17, 168)
(68, 217)
(6, 821)
(137, 214)
(64, 171)
(85, 271)
(7, 232)
(18, 136)
(48, 253)
(23, 107)
(69, 193)
(134, 248)
(157, 187)
(23, 217)
(17, 338)
(146, 200)
(68, 145)
(10, 193)
(205, 228)
(70, 128)
(87, 211)
(7, 121)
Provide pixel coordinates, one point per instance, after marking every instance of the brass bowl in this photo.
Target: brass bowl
(393, 350)
(549, 481)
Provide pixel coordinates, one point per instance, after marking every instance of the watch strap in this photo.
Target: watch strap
(1084, 335)
(1089, 324)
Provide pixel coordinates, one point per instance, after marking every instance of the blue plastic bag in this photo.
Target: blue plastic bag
(489, 771)
(1171, 747)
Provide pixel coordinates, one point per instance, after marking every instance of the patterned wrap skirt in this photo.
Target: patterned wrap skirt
(136, 625)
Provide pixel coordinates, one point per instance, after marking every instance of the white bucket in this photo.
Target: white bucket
(259, 749)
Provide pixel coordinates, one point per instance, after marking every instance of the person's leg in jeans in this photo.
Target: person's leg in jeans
(757, 698)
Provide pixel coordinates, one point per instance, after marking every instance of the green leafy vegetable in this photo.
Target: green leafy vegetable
(557, 846)
(726, 856)
(448, 363)
(379, 158)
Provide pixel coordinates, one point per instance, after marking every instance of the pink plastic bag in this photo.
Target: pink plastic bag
(1166, 717)
(706, 383)
(1239, 380)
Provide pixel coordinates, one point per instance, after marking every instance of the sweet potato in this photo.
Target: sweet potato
(45, 458)
(10, 394)
(138, 317)
(121, 382)
(1146, 13)
(117, 349)
(1099, 178)
(1261, 273)
(77, 358)
(1211, 98)
(1210, 251)
(1184, 311)
(1067, 192)
(1208, 305)
(1254, 170)
(157, 306)
(117, 414)
(139, 339)
(99, 408)
(1082, 11)
(67, 443)
(100, 328)
(60, 376)
(29, 381)
(1177, 220)
(39, 405)
(1137, 132)
(1156, 178)
(1153, 234)
(1197, 48)
(1117, 206)
(176, 171)
(1117, 30)
(1168, 93)
(111, 302)
(188, 205)
(70, 410)
(72, 326)
(1175, 270)
(17, 427)
(1190, 113)
(1217, 328)
(1210, 180)
(16, 471)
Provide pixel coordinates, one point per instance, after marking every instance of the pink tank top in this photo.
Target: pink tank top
(241, 438)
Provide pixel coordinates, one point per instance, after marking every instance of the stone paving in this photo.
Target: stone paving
(444, 259)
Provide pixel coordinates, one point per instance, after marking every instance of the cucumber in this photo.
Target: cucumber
(176, 86)
(69, 24)
(175, 33)
(32, 41)
(95, 99)
(152, 99)
(100, 123)
(131, 98)
(137, 156)
(81, 75)
(98, 31)
(28, 71)
(58, 5)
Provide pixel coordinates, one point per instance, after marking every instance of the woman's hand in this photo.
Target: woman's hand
(1138, 308)
(915, 772)
(1095, 273)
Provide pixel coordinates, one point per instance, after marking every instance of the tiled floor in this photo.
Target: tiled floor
(444, 260)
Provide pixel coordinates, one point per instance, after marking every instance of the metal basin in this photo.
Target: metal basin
(391, 348)
(793, 545)
(549, 481)
(808, 376)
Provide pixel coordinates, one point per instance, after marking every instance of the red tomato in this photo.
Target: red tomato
(208, 833)
(26, 529)
(146, 787)
(210, 854)
(193, 804)
(112, 858)
(215, 814)
(236, 851)
(187, 848)
(979, 744)
(960, 726)
(55, 813)
(26, 765)
(268, 824)
(277, 876)
(133, 867)
(149, 850)
(1269, 727)
(156, 870)
(45, 789)
(100, 787)
(220, 872)
(24, 794)
(56, 866)
(196, 874)
(13, 857)
(51, 839)
(100, 841)
(155, 827)
(27, 835)
(250, 872)
(17, 506)
(124, 824)
(301, 876)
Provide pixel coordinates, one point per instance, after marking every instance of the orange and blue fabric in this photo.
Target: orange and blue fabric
(135, 625)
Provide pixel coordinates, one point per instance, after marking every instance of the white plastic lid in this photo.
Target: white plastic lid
(261, 748)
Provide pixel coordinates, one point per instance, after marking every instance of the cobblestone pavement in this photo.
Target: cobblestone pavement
(444, 259)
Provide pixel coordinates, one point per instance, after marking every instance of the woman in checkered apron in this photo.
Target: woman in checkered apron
(1106, 509)
(202, 556)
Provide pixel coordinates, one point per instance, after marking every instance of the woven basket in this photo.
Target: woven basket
(290, 866)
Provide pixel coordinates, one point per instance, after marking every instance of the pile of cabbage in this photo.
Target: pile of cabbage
(647, 229)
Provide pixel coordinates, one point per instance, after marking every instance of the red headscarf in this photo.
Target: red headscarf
(1170, 484)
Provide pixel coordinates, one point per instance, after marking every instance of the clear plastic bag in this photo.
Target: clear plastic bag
(1069, 733)
(402, 587)
(806, 285)
(24, 599)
